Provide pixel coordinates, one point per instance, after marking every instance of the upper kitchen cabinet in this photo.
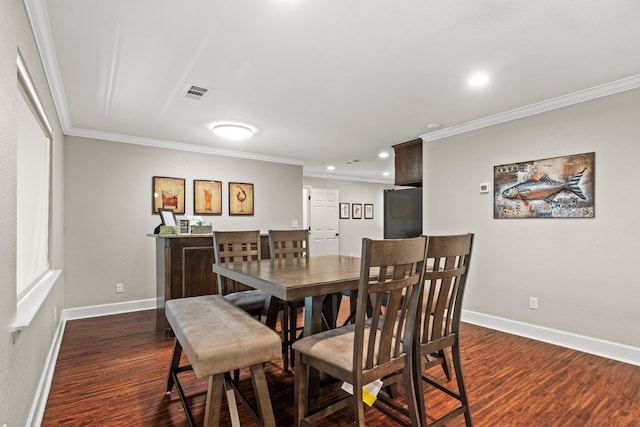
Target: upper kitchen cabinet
(409, 163)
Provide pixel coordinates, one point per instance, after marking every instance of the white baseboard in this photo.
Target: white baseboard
(611, 350)
(42, 394)
(108, 309)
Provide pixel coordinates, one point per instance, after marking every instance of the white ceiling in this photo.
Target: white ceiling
(325, 81)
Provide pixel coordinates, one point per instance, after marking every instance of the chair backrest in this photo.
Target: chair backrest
(235, 246)
(445, 276)
(390, 278)
(288, 243)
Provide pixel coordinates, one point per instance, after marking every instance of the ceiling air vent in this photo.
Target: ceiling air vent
(196, 92)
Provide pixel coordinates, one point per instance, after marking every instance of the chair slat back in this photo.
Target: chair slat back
(235, 246)
(288, 243)
(447, 266)
(390, 278)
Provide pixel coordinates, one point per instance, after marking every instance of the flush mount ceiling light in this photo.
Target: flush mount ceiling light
(478, 79)
(383, 154)
(235, 131)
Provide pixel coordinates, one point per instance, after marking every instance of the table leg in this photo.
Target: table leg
(312, 325)
(270, 311)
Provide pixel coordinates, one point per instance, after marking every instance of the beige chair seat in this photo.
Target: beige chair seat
(250, 301)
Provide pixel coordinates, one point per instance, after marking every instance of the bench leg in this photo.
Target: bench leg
(263, 399)
(174, 370)
(231, 401)
(175, 361)
(214, 401)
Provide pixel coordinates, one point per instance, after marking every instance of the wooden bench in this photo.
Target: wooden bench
(218, 338)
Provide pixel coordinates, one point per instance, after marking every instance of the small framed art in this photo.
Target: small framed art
(168, 217)
(207, 197)
(356, 210)
(167, 193)
(240, 198)
(344, 210)
(368, 211)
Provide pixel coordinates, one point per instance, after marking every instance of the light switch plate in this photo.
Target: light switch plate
(484, 187)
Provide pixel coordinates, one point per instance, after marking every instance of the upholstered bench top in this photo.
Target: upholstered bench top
(218, 337)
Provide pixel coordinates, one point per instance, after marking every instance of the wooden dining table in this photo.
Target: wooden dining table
(311, 278)
(290, 279)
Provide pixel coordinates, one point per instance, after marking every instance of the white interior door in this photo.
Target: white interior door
(324, 222)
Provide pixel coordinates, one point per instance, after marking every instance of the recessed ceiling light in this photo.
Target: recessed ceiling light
(385, 174)
(478, 79)
(383, 154)
(331, 168)
(235, 131)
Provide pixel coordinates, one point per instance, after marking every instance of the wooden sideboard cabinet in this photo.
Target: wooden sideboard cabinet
(408, 163)
(183, 269)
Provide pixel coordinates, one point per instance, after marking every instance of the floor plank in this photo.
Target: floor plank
(112, 371)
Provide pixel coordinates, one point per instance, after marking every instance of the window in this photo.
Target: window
(34, 137)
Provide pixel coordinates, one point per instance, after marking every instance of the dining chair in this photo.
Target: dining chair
(445, 277)
(367, 350)
(285, 244)
(239, 246)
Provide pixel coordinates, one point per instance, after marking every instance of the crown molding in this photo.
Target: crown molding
(173, 145)
(39, 20)
(606, 89)
(307, 174)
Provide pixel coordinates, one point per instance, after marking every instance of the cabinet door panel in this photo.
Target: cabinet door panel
(408, 163)
(197, 277)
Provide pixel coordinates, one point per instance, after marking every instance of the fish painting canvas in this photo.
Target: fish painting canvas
(558, 187)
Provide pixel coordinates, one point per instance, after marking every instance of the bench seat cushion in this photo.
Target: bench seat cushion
(219, 337)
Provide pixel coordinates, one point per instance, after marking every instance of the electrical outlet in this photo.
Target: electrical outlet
(294, 223)
(533, 303)
(119, 288)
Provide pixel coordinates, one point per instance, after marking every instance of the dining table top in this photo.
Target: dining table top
(293, 278)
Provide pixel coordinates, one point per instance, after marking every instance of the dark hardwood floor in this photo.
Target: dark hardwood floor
(112, 370)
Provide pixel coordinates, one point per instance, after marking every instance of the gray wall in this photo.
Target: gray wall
(353, 230)
(108, 211)
(22, 363)
(582, 270)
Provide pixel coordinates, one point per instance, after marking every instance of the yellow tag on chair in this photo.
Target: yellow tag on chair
(369, 392)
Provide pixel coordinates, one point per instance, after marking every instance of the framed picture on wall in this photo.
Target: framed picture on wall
(557, 187)
(167, 193)
(356, 210)
(240, 198)
(344, 210)
(207, 197)
(368, 211)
